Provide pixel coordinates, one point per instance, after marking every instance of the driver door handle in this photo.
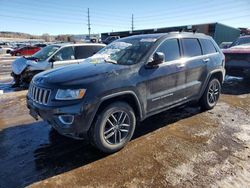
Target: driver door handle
(181, 65)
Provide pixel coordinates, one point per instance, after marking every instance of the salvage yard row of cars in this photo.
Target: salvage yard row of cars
(20, 49)
(110, 88)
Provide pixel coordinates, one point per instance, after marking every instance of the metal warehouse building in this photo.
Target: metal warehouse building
(220, 32)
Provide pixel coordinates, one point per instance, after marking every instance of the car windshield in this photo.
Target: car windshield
(46, 52)
(240, 41)
(124, 51)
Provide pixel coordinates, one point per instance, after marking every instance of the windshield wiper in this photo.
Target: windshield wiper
(31, 58)
(110, 61)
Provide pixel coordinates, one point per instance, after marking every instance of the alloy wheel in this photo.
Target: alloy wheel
(117, 127)
(213, 93)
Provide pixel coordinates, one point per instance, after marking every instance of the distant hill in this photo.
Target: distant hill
(45, 36)
(9, 34)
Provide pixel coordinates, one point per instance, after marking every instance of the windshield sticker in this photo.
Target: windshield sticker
(148, 40)
(120, 45)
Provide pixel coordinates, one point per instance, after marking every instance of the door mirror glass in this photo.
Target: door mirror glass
(56, 57)
(158, 58)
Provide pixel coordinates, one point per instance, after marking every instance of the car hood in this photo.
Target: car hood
(76, 74)
(21, 63)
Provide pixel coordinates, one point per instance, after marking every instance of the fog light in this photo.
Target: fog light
(66, 119)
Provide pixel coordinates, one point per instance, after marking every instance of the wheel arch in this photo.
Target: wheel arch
(219, 74)
(125, 96)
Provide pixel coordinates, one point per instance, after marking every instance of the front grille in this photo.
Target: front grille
(39, 95)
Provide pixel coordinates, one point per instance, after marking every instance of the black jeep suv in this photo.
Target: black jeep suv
(131, 79)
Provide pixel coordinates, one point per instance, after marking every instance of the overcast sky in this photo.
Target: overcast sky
(70, 16)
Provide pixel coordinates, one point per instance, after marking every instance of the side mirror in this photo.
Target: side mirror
(55, 58)
(52, 60)
(158, 58)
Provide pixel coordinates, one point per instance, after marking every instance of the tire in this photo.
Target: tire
(211, 95)
(17, 80)
(113, 128)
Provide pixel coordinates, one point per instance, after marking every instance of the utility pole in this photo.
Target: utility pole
(89, 28)
(132, 26)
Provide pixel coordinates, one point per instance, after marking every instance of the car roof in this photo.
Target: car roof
(79, 44)
(171, 34)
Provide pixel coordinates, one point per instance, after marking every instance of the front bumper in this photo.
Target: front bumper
(83, 115)
(25, 77)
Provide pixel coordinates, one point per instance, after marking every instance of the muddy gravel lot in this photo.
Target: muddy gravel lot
(182, 147)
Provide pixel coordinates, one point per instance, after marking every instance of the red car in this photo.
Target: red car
(27, 50)
(237, 58)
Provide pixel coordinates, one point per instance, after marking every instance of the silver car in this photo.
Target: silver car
(24, 68)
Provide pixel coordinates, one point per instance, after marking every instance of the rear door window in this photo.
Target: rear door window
(207, 46)
(170, 48)
(83, 52)
(191, 47)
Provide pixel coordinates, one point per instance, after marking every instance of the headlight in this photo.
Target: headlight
(70, 94)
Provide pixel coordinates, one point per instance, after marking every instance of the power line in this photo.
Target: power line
(199, 12)
(145, 18)
(204, 16)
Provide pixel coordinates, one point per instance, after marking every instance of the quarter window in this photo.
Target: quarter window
(170, 48)
(207, 46)
(191, 47)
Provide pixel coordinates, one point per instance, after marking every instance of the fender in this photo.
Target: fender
(138, 104)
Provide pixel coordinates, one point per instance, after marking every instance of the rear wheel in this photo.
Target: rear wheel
(211, 94)
(114, 127)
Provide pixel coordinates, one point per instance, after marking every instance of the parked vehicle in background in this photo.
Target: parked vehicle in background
(241, 40)
(225, 45)
(40, 45)
(127, 81)
(27, 50)
(23, 69)
(9, 50)
(238, 58)
(110, 39)
(5, 49)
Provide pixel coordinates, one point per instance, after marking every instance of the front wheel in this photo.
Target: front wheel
(17, 80)
(211, 94)
(114, 127)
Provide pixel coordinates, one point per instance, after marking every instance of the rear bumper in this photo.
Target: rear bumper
(238, 71)
(238, 67)
(81, 114)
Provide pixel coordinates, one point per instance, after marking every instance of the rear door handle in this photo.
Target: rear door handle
(206, 60)
(181, 65)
